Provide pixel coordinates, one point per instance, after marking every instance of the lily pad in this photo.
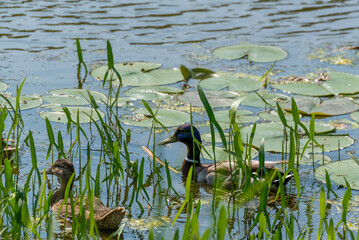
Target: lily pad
(339, 170)
(221, 155)
(330, 143)
(253, 100)
(153, 92)
(308, 89)
(215, 98)
(242, 116)
(355, 116)
(26, 102)
(318, 159)
(337, 83)
(73, 93)
(123, 101)
(329, 107)
(234, 83)
(141, 74)
(167, 117)
(58, 115)
(276, 129)
(125, 68)
(3, 86)
(274, 117)
(254, 53)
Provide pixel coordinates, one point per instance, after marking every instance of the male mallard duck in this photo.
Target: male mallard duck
(206, 173)
(105, 218)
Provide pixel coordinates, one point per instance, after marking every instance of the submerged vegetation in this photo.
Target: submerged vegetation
(108, 170)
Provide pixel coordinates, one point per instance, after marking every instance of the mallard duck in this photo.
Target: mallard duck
(206, 173)
(105, 218)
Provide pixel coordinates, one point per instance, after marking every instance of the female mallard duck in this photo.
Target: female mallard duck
(206, 173)
(105, 218)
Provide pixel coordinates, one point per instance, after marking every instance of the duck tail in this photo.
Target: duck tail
(287, 178)
(112, 219)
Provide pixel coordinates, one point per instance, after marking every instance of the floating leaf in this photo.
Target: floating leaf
(65, 100)
(167, 117)
(241, 116)
(123, 101)
(329, 107)
(234, 83)
(253, 100)
(339, 171)
(3, 86)
(153, 92)
(221, 155)
(318, 159)
(330, 143)
(125, 68)
(308, 89)
(274, 117)
(26, 102)
(141, 74)
(215, 98)
(81, 93)
(254, 53)
(58, 115)
(336, 83)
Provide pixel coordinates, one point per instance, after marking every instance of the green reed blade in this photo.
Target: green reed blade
(110, 62)
(211, 116)
(281, 115)
(222, 224)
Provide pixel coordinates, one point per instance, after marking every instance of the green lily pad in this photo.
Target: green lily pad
(276, 129)
(339, 170)
(3, 86)
(342, 83)
(274, 117)
(167, 117)
(234, 83)
(141, 74)
(254, 53)
(125, 68)
(318, 159)
(153, 92)
(65, 100)
(81, 93)
(123, 101)
(215, 98)
(221, 155)
(58, 115)
(26, 102)
(329, 107)
(330, 143)
(242, 116)
(253, 100)
(337, 83)
(308, 89)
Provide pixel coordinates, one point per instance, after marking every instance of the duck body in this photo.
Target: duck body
(105, 218)
(207, 173)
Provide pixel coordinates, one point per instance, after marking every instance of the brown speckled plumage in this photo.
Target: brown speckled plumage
(105, 218)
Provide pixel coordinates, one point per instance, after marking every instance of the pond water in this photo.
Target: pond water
(37, 40)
